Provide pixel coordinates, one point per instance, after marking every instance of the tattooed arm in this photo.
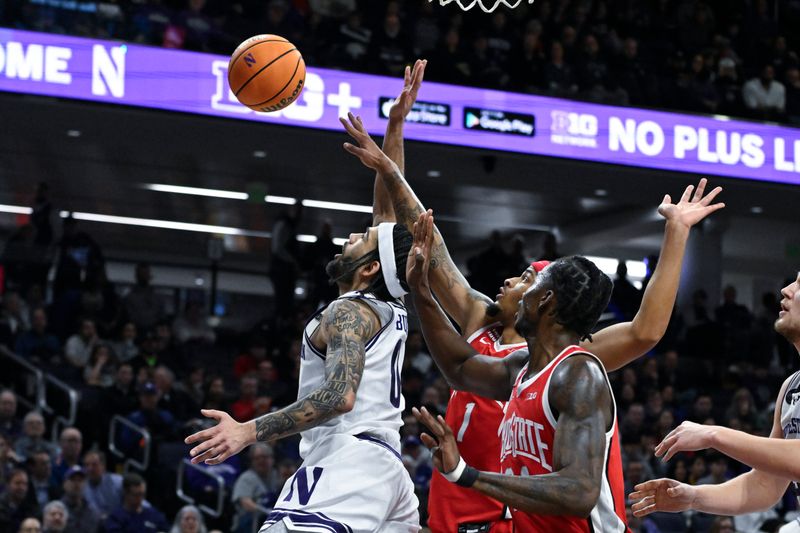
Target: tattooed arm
(346, 327)
(580, 396)
(466, 305)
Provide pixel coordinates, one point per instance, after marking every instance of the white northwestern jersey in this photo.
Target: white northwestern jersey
(790, 416)
(379, 401)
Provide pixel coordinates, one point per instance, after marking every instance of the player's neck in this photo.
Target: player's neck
(356, 285)
(510, 335)
(546, 346)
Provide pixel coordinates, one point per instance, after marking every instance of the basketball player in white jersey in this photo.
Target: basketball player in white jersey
(349, 402)
(773, 459)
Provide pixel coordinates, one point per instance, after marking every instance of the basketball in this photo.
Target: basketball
(266, 73)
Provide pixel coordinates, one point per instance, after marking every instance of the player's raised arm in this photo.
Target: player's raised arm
(466, 305)
(463, 368)
(393, 145)
(578, 387)
(756, 490)
(347, 327)
(620, 344)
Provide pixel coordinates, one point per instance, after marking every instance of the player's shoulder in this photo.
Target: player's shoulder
(579, 376)
(350, 314)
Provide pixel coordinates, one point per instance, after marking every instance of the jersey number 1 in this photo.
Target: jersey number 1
(465, 423)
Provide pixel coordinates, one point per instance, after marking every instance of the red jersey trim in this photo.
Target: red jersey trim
(497, 346)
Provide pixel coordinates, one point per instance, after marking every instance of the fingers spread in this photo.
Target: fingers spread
(710, 197)
(701, 187)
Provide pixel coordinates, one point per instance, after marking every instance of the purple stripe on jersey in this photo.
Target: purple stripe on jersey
(379, 442)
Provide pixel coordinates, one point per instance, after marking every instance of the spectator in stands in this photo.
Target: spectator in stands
(735, 320)
(390, 47)
(189, 520)
(764, 96)
(101, 368)
(142, 305)
(727, 87)
(215, 397)
(701, 88)
(198, 26)
(32, 438)
(133, 516)
(17, 502)
(247, 362)
(83, 517)
(71, 445)
(259, 485)
(718, 471)
(352, 42)
(559, 78)
(125, 348)
(793, 95)
(270, 384)
(121, 396)
(625, 297)
(79, 257)
(37, 344)
(452, 63)
(103, 490)
(8, 461)
(193, 325)
(78, 349)
(30, 525)
(41, 477)
(171, 399)
(702, 410)
(193, 384)
(10, 426)
(160, 423)
(242, 409)
(15, 315)
(19, 258)
(318, 255)
(54, 517)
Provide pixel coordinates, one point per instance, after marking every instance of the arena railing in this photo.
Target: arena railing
(145, 442)
(216, 511)
(34, 396)
(60, 421)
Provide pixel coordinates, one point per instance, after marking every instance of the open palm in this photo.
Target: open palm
(661, 495)
(412, 82)
(419, 259)
(691, 209)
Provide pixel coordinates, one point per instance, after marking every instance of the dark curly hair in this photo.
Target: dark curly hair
(582, 293)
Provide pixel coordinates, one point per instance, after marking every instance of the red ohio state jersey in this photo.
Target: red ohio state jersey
(474, 421)
(527, 433)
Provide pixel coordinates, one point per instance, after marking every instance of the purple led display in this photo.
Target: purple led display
(112, 72)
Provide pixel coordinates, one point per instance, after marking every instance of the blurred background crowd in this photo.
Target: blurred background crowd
(731, 57)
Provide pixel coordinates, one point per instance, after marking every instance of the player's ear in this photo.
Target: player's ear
(370, 269)
(548, 300)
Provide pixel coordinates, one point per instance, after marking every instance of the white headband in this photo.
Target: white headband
(388, 262)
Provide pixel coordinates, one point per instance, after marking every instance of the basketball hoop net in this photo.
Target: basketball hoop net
(486, 5)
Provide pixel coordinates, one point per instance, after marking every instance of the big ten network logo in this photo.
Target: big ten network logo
(309, 108)
(574, 129)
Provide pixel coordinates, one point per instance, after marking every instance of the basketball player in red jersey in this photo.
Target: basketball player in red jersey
(560, 461)
(488, 327)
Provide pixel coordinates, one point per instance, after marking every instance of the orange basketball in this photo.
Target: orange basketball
(266, 73)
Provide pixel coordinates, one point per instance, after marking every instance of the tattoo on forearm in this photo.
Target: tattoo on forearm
(348, 326)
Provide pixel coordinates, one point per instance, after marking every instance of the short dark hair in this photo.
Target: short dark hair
(131, 480)
(402, 245)
(582, 293)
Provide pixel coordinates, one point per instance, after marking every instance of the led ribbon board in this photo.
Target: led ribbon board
(133, 75)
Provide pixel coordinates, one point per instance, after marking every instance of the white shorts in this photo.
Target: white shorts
(348, 485)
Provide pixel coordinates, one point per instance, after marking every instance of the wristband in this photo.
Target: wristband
(455, 473)
(462, 475)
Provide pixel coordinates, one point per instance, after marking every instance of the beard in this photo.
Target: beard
(340, 271)
(492, 309)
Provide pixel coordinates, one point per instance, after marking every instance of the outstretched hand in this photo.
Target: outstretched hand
(367, 151)
(442, 444)
(220, 442)
(419, 258)
(413, 80)
(691, 209)
(661, 495)
(688, 437)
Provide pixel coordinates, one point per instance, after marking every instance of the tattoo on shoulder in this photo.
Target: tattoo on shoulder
(579, 385)
(349, 316)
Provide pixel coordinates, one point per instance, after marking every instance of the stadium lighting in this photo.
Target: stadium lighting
(16, 209)
(196, 191)
(337, 206)
(285, 200)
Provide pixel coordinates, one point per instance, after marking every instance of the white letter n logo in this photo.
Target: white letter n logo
(108, 71)
(300, 481)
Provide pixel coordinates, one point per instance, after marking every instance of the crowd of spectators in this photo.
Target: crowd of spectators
(127, 354)
(714, 56)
